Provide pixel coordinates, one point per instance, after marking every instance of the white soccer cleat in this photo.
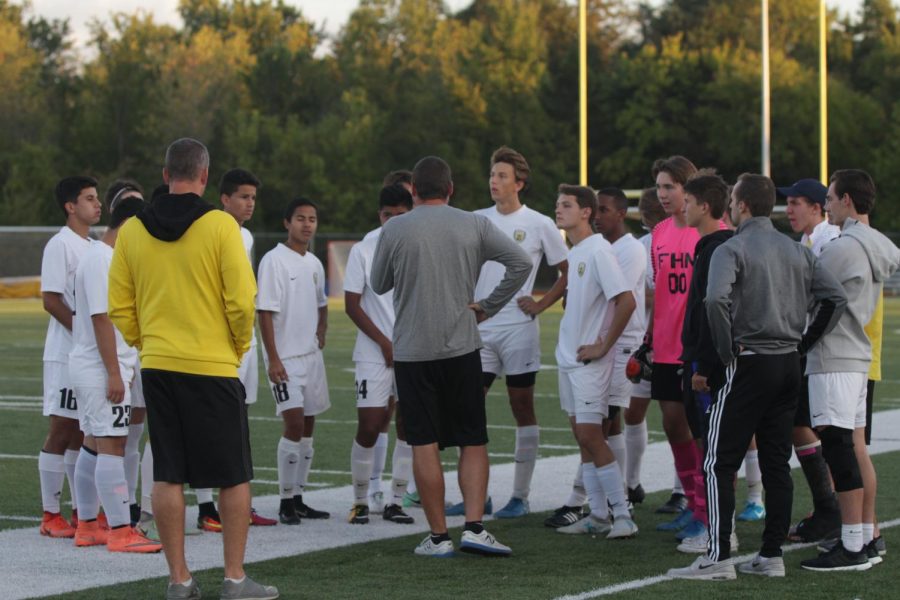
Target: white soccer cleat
(587, 525)
(622, 528)
(704, 569)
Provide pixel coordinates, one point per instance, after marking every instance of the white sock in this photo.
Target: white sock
(635, 445)
(86, 489)
(754, 477)
(306, 457)
(204, 495)
(401, 470)
(610, 477)
(852, 537)
(868, 532)
(52, 470)
(579, 494)
(147, 479)
(595, 495)
(69, 459)
(527, 442)
(288, 460)
(360, 471)
(379, 458)
(133, 459)
(113, 489)
(616, 444)
(238, 581)
(677, 488)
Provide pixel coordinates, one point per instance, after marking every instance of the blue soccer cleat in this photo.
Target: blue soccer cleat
(516, 507)
(678, 523)
(752, 512)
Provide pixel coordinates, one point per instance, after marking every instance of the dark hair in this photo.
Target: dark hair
(296, 203)
(619, 198)
(234, 179)
(117, 189)
(160, 190)
(507, 155)
(678, 167)
(124, 210)
(583, 194)
(186, 158)
(69, 188)
(401, 176)
(857, 184)
(432, 179)
(757, 192)
(650, 205)
(711, 190)
(395, 195)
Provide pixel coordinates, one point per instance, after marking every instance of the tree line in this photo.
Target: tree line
(327, 116)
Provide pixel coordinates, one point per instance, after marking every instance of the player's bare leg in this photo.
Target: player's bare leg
(234, 506)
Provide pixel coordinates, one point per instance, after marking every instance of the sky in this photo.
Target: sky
(330, 13)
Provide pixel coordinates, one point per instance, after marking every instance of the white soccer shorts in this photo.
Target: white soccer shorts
(838, 399)
(584, 391)
(59, 396)
(620, 386)
(306, 387)
(99, 417)
(374, 385)
(248, 373)
(511, 350)
(137, 391)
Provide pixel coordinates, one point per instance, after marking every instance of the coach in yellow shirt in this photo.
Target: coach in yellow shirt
(181, 290)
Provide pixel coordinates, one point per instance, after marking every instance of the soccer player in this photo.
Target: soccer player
(806, 215)
(77, 198)
(511, 338)
(706, 197)
(599, 304)
(436, 360)
(755, 270)
(293, 319)
(672, 253)
(102, 371)
(373, 354)
(861, 259)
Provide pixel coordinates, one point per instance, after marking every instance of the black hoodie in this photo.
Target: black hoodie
(167, 217)
(696, 338)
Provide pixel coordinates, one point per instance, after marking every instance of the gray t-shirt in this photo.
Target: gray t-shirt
(431, 258)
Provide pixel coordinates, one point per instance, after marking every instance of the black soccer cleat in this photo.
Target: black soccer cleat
(562, 516)
(287, 513)
(307, 512)
(394, 513)
(636, 494)
(359, 515)
(821, 525)
(674, 505)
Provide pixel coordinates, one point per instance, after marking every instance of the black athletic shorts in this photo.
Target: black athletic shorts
(442, 401)
(870, 400)
(198, 429)
(801, 417)
(665, 383)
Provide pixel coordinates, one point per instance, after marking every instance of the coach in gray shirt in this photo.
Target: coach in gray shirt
(431, 258)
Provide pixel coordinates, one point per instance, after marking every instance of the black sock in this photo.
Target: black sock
(207, 509)
(298, 499)
(815, 469)
(475, 527)
(286, 506)
(437, 538)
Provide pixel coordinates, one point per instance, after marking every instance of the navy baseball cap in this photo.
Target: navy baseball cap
(810, 188)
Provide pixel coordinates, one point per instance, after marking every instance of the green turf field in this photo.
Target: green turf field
(545, 565)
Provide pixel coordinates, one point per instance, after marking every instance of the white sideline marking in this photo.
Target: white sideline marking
(34, 565)
(23, 398)
(18, 456)
(634, 584)
(20, 518)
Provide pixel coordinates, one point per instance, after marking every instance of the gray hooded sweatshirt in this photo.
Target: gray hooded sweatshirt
(861, 259)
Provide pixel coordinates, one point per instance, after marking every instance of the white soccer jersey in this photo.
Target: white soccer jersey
(632, 261)
(594, 278)
(379, 308)
(91, 292)
(538, 236)
(61, 256)
(823, 233)
(646, 240)
(292, 285)
(247, 238)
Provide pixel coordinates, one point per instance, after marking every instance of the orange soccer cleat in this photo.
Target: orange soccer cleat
(90, 533)
(129, 539)
(208, 523)
(54, 525)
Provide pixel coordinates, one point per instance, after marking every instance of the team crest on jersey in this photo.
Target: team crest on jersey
(519, 235)
(581, 269)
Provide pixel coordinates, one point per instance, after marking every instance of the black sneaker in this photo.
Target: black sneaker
(395, 514)
(287, 514)
(359, 515)
(872, 555)
(821, 525)
(307, 512)
(880, 545)
(636, 494)
(674, 505)
(838, 559)
(562, 516)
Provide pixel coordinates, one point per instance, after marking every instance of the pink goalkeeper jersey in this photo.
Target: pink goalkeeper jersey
(672, 253)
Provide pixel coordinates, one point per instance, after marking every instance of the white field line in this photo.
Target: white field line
(634, 584)
(20, 518)
(38, 566)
